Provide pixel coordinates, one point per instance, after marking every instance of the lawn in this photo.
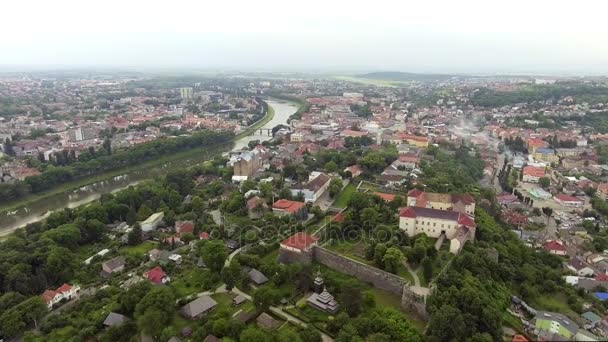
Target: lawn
(140, 249)
(556, 302)
(387, 299)
(343, 198)
(191, 282)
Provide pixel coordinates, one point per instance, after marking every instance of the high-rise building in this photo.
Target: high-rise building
(186, 92)
(82, 133)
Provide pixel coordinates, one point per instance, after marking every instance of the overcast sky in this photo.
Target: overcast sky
(457, 36)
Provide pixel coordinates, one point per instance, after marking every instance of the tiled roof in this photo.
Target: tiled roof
(300, 241)
(460, 218)
(289, 206)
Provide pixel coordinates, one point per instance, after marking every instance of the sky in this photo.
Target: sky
(431, 36)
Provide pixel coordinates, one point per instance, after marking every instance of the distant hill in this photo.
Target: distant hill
(398, 76)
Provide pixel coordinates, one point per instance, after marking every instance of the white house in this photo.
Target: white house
(152, 222)
(65, 291)
(569, 201)
(458, 227)
(318, 182)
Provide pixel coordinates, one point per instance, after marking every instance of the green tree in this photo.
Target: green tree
(214, 254)
(335, 187)
(135, 236)
(331, 166)
(427, 268)
(232, 275)
(392, 259)
(264, 297)
(351, 298)
(544, 182)
(253, 334)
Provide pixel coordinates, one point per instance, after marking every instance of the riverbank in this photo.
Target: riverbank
(76, 184)
(36, 207)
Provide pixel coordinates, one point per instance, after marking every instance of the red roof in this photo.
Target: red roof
(185, 227)
(464, 198)
(204, 236)
(460, 218)
(385, 196)
(48, 295)
(338, 218)
(352, 133)
(534, 171)
(554, 246)
(64, 288)
(288, 206)
(536, 142)
(601, 277)
(414, 193)
(406, 136)
(567, 198)
(520, 338)
(301, 241)
(156, 275)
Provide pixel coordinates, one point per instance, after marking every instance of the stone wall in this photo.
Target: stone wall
(369, 274)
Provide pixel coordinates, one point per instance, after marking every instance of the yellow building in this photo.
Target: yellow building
(546, 155)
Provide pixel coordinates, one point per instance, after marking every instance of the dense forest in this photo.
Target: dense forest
(54, 176)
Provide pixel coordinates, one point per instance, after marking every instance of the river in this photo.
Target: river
(38, 210)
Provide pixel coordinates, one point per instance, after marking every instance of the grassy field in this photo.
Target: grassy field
(191, 282)
(387, 299)
(343, 198)
(140, 249)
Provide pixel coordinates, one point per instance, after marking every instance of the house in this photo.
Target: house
(555, 247)
(507, 199)
(265, 321)
(256, 207)
(536, 143)
(297, 248)
(386, 197)
(288, 207)
(580, 267)
(212, 338)
(515, 218)
(176, 258)
(114, 319)
(602, 191)
(318, 183)
(461, 203)
(323, 301)
(553, 326)
(568, 201)
(152, 222)
(591, 318)
(203, 236)
(114, 265)
(184, 227)
(354, 134)
(413, 140)
(245, 164)
(157, 276)
(546, 155)
(458, 227)
(257, 277)
(532, 174)
(159, 255)
(198, 307)
(238, 300)
(355, 170)
(64, 292)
